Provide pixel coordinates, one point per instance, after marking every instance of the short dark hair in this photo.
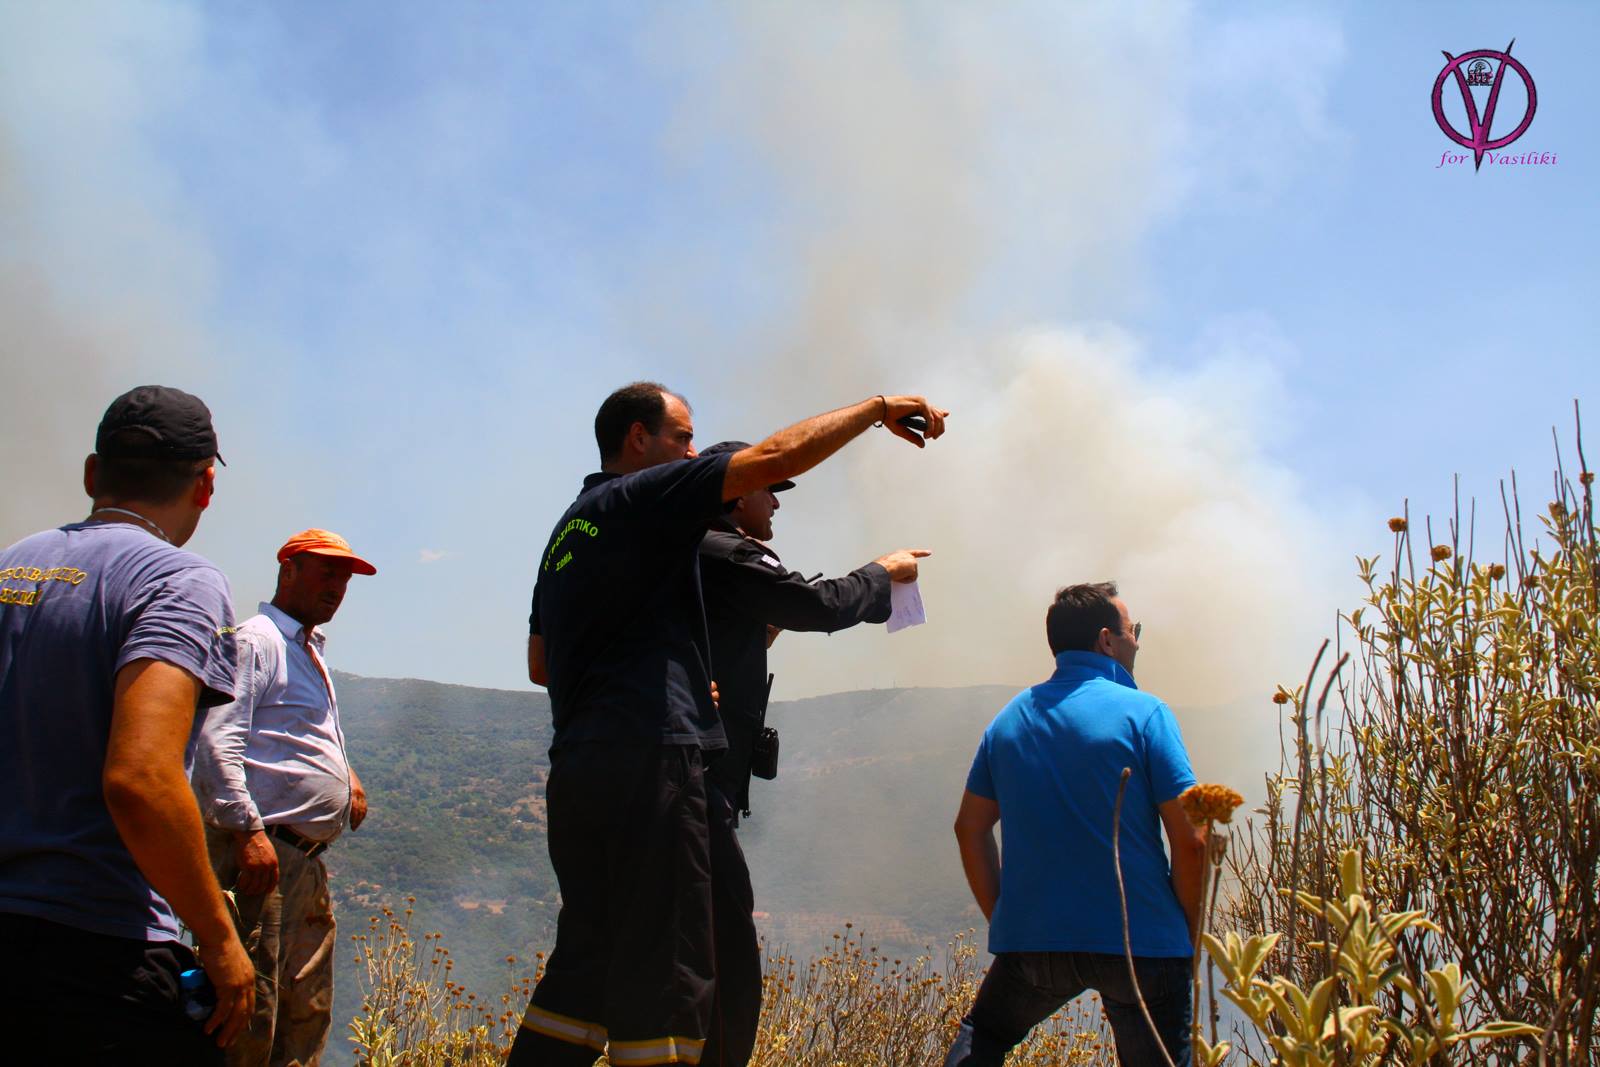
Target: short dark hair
(148, 480)
(1078, 614)
(644, 402)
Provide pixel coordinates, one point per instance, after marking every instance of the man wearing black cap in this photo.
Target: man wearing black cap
(110, 637)
(750, 597)
(618, 634)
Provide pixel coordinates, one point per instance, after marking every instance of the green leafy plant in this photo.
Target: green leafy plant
(1367, 1011)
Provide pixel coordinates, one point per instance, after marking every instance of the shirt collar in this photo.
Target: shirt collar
(290, 627)
(727, 525)
(598, 478)
(1073, 665)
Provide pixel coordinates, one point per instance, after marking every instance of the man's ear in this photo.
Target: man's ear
(90, 463)
(204, 487)
(638, 434)
(1102, 644)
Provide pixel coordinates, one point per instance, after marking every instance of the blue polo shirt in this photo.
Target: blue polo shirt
(1052, 759)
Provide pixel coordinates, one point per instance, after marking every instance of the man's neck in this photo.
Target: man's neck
(289, 612)
(166, 521)
(623, 465)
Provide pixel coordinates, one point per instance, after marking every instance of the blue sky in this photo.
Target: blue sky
(1189, 273)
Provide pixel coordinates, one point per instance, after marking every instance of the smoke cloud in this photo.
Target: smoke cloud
(95, 277)
(920, 198)
(946, 178)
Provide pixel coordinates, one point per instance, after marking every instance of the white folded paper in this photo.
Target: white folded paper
(905, 606)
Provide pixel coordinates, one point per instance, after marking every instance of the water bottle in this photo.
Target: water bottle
(199, 998)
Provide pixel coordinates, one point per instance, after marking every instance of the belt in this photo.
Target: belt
(311, 848)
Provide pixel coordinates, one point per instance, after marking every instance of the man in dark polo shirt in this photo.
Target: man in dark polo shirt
(618, 635)
(750, 597)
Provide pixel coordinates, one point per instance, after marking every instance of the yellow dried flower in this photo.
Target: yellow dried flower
(1206, 803)
(1397, 524)
(1441, 553)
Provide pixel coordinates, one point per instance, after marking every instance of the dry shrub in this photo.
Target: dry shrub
(851, 1006)
(1456, 749)
(414, 1014)
(855, 1006)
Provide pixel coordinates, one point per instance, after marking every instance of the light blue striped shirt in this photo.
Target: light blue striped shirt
(276, 755)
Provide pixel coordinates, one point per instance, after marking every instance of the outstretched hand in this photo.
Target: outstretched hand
(902, 565)
(898, 407)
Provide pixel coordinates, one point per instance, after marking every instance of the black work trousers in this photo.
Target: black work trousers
(633, 972)
(71, 997)
(736, 1010)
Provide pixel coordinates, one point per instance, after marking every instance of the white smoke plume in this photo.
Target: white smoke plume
(940, 199)
(97, 278)
(967, 200)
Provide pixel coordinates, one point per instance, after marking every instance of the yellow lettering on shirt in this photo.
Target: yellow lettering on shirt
(70, 575)
(583, 526)
(27, 598)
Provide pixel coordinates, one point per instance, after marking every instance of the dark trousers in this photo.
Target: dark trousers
(632, 972)
(1023, 989)
(736, 1009)
(70, 997)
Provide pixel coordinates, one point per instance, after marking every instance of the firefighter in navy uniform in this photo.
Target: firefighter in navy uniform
(750, 596)
(617, 633)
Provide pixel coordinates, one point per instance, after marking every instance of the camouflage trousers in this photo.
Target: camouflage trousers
(289, 934)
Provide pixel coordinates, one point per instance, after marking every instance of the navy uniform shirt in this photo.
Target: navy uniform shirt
(619, 607)
(746, 588)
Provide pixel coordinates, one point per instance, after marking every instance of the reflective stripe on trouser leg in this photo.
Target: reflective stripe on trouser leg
(564, 1028)
(655, 1051)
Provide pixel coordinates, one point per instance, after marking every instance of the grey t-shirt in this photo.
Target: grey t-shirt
(77, 604)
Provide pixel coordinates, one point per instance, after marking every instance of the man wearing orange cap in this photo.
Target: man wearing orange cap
(276, 788)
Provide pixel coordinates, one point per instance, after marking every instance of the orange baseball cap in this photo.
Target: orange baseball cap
(324, 543)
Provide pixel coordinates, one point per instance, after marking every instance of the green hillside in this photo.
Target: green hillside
(455, 779)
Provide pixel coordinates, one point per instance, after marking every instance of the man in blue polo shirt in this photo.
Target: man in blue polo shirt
(1047, 770)
(618, 635)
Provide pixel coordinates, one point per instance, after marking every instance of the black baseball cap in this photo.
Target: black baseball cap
(739, 446)
(157, 422)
